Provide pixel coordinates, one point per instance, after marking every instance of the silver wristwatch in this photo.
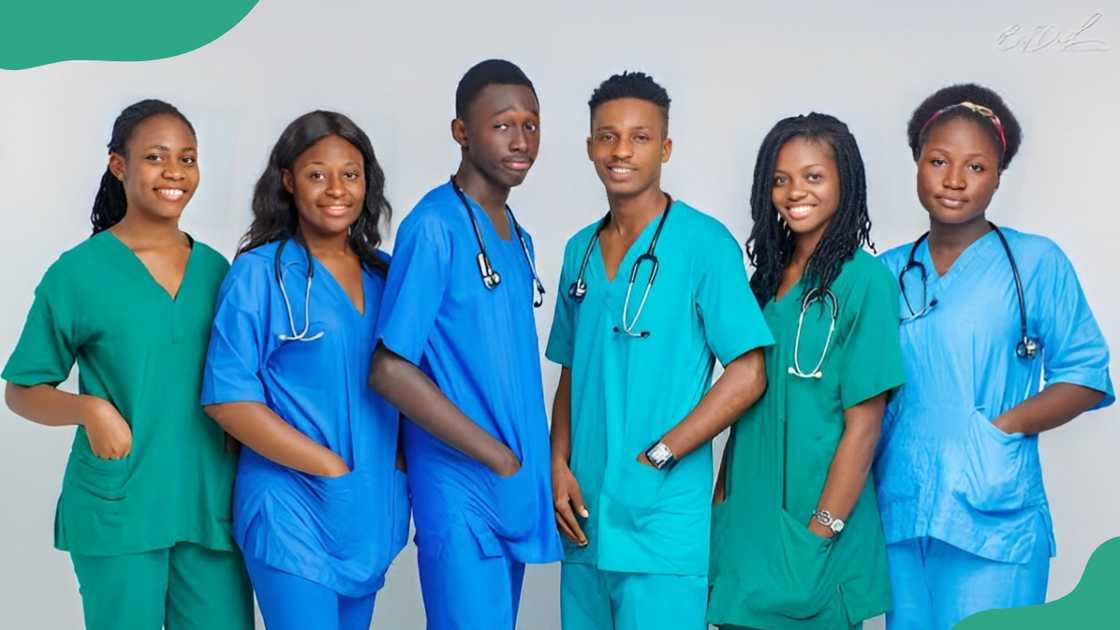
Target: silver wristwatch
(824, 517)
(660, 456)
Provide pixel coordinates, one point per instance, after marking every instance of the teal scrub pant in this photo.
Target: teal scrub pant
(185, 587)
(935, 585)
(591, 599)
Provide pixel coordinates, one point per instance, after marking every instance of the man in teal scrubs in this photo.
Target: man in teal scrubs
(650, 297)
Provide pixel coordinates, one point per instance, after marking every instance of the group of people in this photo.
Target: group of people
(271, 426)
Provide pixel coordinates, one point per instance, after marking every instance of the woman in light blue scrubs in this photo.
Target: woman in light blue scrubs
(988, 315)
(320, 509)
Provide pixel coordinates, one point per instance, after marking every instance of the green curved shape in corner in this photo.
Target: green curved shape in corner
(39, 32)
(1093, 603)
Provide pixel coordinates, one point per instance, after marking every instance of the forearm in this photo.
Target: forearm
(1049, 409)
(743, 381)
(259, 428)
(847, 474)
(45, 404)
(561, 434)
(410, 390)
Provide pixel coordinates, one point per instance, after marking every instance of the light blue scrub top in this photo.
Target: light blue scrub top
(480, 348)
(341, 532)
(628, 392)
(943, 469)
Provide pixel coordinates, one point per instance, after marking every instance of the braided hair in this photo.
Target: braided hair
(274, 210)
(110, 204)
(771, 242)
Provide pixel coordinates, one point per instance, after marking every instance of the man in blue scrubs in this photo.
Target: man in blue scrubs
(633, 416)
(458, 352)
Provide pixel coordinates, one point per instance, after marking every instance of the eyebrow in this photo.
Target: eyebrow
(512, 108)
(161, 147)
(322, 163)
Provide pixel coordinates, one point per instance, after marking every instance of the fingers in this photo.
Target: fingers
(576, 499)
(566, 520)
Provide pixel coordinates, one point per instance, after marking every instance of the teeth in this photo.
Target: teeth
(170, 194)
(800, 212)
(620, 169)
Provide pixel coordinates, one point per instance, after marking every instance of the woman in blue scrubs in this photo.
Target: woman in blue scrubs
(320, 509)
(988, 315)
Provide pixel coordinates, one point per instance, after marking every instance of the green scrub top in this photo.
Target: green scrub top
(142, 351)
(768, 569)
(627, 392)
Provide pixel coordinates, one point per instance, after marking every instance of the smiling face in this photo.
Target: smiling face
(629, 142)
(958, 172)
(806, 186)
(500, 134)
(328, 186)
(159, 170)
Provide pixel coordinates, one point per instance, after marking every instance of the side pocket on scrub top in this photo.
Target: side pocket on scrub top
(993, 478)
(102, 479)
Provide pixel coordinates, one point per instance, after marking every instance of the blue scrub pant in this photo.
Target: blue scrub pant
(591, 599)
(289, 602)
(935, 585)
(465, 587)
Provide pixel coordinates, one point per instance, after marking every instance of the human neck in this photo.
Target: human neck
(488, 193)
(325, 246)
(956, 237)
(631, 213)
(804, 245)
(140, 230)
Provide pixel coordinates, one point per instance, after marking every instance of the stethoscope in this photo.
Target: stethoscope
(1026, 348)
(279, 268)
(490, 278)
(815, 295)
(578, 289)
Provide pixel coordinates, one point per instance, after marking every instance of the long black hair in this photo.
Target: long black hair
(771, 242)
(274, 212)
(110, 204)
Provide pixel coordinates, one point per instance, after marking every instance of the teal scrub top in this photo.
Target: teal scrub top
(142, 351)
(768, 569)
(627, 392)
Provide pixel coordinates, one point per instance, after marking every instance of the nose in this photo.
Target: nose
(519, 143)
(622, 149)
(795, 193)
(335, 188)
(173, 170)
(954, 178)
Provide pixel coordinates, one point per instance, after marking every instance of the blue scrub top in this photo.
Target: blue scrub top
(943, 469)
(627, 392)
(341, 532)
(480, 348)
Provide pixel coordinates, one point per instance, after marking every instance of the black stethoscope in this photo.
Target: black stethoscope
(1028, 346)
(279, 269)
(490, 278)
(578, 289)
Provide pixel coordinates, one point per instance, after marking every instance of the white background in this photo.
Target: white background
(732, 69)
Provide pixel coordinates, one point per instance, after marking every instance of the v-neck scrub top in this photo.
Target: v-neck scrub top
(480, 348)
(627, 392)
(340, 532)
(768, 569)
(944, 470)
(142, 351)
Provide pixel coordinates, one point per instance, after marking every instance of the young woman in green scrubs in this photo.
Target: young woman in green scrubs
(796, 536)
(145, 504)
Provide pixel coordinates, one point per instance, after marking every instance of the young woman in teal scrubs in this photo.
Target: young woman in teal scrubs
(145, 505)
(796, 538)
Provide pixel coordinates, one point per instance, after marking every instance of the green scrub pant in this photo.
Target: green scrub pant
(185, 587)
(591, 599)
